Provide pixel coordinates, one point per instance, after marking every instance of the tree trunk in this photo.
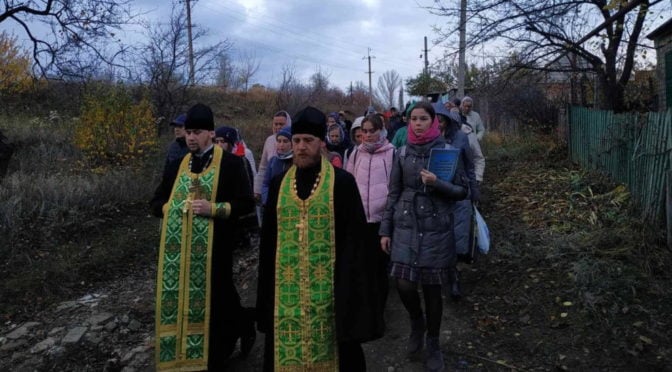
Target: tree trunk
(614, 96)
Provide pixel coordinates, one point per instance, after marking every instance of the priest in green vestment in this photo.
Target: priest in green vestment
(316, 293)
(199, 317)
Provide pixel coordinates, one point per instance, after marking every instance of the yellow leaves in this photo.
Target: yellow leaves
(559, 200)
(113, 129)
(15, 75)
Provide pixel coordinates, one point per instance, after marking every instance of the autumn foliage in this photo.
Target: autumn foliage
(113, 128)
(15, 76)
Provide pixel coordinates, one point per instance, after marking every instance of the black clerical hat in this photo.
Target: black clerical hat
(310, 121)
(199, 116)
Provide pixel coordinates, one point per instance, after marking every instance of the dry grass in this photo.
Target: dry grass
(64, 225)
(585, 236)
(48, 188)
(51, 205)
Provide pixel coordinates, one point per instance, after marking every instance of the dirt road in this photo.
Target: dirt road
(523, 309)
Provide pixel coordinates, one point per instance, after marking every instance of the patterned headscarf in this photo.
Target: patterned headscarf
(340, 129)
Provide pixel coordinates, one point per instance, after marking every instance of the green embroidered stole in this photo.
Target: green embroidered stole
(184, 270)
(304, 317)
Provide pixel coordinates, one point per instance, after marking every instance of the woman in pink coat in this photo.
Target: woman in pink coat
(371, 164)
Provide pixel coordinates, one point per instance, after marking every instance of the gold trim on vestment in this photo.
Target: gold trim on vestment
(180, 329)
(304, 307)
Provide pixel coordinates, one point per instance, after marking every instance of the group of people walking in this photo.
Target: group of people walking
(342, 214)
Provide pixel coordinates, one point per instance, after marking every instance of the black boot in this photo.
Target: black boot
(434, 359)
(417, 337)
(455, 287)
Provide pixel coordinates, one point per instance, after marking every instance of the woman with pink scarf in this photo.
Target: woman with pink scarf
(417, 231)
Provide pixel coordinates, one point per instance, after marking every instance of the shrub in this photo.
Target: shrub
(15, 74)
(112, 129)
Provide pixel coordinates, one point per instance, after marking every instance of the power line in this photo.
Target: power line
(303, 57)
(287, 27)
(268, 24)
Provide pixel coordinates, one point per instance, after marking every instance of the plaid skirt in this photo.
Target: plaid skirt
(421, 275)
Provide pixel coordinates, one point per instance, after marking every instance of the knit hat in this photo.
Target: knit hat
(285, 131)
(179, 121)
(199, 116)
(310, 121)
(230, 135)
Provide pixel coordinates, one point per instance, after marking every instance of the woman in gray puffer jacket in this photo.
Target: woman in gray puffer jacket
(417, 230)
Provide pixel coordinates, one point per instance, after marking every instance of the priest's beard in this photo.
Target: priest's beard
(304, 161)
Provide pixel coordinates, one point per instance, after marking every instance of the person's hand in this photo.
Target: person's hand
(428, 178)
(201, 207)
(385, 243)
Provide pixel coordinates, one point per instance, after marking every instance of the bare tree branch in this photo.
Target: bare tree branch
(388, 84)
(604, 34)
(248, 65)
(165, 62)
(83, 32)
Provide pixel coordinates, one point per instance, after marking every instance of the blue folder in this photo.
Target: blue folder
(443, 163)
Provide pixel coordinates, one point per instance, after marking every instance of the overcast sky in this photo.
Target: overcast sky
(333, 36)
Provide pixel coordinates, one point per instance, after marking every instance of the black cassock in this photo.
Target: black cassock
(358, 317)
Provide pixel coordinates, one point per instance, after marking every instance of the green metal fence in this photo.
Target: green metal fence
(632, 148)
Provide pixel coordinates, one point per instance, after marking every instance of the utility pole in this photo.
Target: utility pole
(191, 46)
(426, 59)
(462, 64)
(426, 69)
(369, 56)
